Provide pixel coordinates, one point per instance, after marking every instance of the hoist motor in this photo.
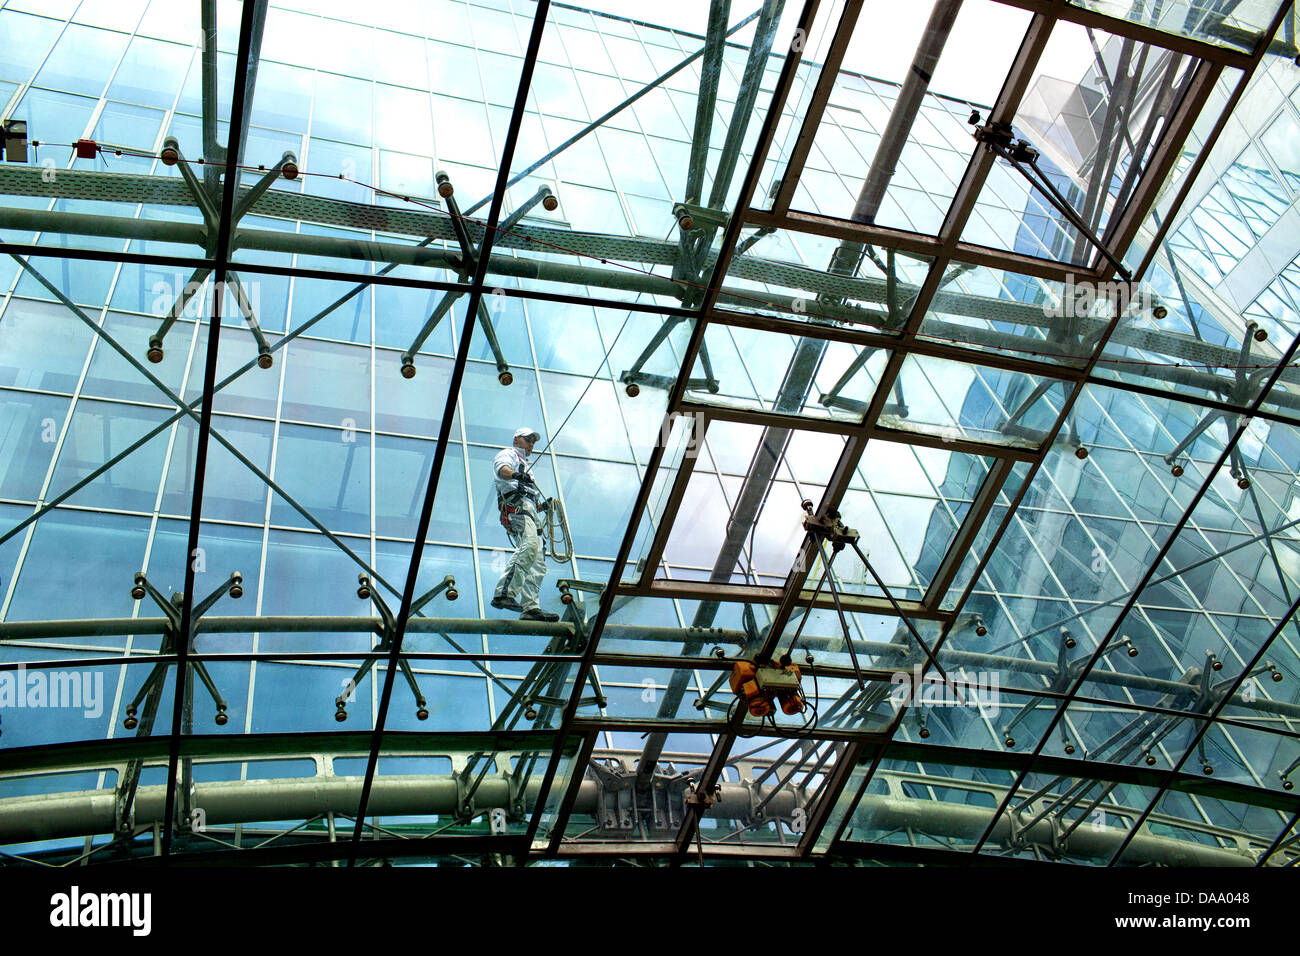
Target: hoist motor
(764, 687)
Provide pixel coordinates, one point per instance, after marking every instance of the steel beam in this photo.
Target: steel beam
(57, 816)
(826, 78)
(444, 430)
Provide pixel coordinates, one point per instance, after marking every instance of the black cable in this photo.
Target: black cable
(603, 361)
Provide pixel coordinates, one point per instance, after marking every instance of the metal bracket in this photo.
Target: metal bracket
(693, 796)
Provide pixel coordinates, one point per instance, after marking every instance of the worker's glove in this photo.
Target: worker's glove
(526, 479)
(546, 505)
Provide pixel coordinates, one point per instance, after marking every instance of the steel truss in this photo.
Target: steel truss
(468, 803)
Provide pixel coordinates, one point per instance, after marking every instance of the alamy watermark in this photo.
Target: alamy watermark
(694, 431)
(40, 689)
(960, 689)
(75, 909)
(1081, 297)
(166, 291)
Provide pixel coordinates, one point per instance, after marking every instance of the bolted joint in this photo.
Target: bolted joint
(171, 151)
(704, 799)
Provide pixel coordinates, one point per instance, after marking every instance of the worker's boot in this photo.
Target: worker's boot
(537, 614)
(506, 603)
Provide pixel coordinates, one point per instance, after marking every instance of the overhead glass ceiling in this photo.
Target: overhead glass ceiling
(936, 369)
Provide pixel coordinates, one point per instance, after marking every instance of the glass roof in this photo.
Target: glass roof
(929, 372)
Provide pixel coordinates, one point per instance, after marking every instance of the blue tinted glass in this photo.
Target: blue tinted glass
(400, 313)
(327, 383)
(349, 321)
(18, 60)
(231, 490)
(85, 283)
(99, 431)
(327, 471)
(402, 468)
(150, 73)
(493, 412)
(53, 583)
(82, 60)
(30, 424)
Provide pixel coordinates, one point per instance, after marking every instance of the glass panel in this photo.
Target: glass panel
(907, 504)
(1022, 316)
(1214, 831)
(930, 805)
(915, 177)
(1082, 539)
(1241, 29)
(956, 400)
(1225, 587)
(677, 694)
(323, 441)
(758, 550)
(682, 445)
(777, 785)
(744, 368)
(1198, 136)
(806, 277)
(1198, 347)
(1096, 109)
(69, 68)
(1255, 758)
(685, 628)
(980, 542)
(1093, 816)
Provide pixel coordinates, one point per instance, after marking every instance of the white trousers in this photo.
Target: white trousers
(523, 575)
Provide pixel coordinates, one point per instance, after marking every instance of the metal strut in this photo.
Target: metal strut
(1059, 683)
(171, 156)
(387, 634)
(999, 138)
(1242, 391)
(831, 528)
(896, 313)
(1141, 736)
(467, 265)
(151, 690)
(634, 377)
(697, 222)
(537, 698)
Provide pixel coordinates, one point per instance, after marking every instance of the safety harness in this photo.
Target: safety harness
(551, 523)
(506, 510)
(504, 506)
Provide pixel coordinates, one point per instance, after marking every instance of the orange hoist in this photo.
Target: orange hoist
(764, 686)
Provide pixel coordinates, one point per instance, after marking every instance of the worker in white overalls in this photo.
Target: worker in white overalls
(521, 503)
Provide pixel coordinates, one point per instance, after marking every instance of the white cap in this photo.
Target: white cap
(527, 433)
